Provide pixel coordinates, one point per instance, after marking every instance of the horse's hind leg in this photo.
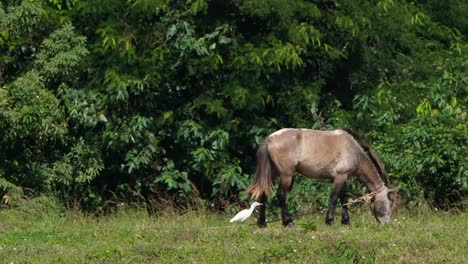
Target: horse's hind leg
(343, 201)
(284, 187)
(261, 221)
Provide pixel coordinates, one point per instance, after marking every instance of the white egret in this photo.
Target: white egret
(244, 214)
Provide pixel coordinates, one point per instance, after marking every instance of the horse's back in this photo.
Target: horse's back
(314, 153)
(309, 139)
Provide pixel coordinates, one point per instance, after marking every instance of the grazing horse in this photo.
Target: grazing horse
(335, 155)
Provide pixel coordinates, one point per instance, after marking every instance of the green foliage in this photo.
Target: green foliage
(30, 111)
(78, 167)
(61, 53)
(425, 147)
(60, 4)
(174, 179)
(9, 191)
(19, 21)
(156, 99)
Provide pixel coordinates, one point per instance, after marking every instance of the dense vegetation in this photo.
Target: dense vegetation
(158, 101)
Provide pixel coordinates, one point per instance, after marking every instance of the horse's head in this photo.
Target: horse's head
(382, 205)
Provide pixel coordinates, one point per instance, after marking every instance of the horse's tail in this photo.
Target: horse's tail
(264, 173)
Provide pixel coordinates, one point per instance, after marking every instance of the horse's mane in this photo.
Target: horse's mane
(371, 154)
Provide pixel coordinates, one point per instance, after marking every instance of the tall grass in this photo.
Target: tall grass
(29, 235)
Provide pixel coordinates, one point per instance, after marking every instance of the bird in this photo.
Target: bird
(244, 214)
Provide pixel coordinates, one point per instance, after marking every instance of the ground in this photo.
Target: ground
(133, 236)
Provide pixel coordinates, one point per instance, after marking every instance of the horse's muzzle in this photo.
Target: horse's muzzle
(384, 219)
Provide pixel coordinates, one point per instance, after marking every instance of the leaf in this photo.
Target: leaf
(213, 46)
(103, 118)
(225, 40)
(171, 31)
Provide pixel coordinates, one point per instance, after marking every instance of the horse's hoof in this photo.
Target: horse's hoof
(345, 221)
(329, 221)
(262, 225)
(289, 225)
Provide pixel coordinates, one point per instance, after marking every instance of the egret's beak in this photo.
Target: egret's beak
(260, 203)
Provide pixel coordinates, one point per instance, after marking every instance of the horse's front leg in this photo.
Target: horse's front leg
(336, 189)
(343, 201)
(284, 187)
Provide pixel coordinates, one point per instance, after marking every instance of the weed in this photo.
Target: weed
(308, 226)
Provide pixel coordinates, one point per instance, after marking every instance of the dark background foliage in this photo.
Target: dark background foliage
(158, 101)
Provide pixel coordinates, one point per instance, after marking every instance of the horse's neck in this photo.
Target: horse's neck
(370, 176)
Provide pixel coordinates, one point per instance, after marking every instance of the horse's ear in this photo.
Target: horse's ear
(392, 196)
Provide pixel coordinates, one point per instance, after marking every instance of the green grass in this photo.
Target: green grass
(132, 236)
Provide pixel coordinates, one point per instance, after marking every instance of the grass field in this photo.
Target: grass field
(40, 235)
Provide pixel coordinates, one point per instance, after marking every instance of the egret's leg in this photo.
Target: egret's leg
(343, 201)
(336, 189)
(261, 222)
(285, 184)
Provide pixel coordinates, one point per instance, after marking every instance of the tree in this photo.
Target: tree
(155, 100)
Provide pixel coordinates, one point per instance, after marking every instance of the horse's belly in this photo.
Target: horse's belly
(315, 172)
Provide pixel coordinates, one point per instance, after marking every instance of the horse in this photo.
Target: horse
(336, 155)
